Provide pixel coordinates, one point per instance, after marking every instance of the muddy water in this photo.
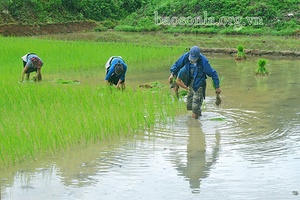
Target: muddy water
(248, 148)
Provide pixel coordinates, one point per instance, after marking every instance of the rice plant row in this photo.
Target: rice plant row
(39, 119)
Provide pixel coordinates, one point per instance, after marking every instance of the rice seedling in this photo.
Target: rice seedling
(261, 69)
(39, 119)
(240, 55)
(48, 118)
(182, 93)
(63, 81)
(78, 56)
(218, 98)
(218, 119)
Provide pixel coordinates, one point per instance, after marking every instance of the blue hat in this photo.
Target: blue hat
(194, 53)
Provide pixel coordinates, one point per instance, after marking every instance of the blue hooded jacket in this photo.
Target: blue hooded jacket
(111, 70)
(199, 71)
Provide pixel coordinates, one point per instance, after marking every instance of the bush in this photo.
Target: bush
(100, 28)
(110, 23)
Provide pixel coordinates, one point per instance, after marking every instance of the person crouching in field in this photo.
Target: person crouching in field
(32, 63)
(116, 71)
(193, 69)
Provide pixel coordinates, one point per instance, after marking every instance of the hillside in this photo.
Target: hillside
(218, 16)
(255, 17)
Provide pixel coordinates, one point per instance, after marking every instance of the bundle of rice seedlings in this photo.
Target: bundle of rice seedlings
(240, 55)
(261, 70)
(218, 98)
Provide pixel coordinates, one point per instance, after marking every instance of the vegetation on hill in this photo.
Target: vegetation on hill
(277, 17)
(217, 16)
(53, 11)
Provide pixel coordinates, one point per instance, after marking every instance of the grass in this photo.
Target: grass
(39, 119)
(64, 56)
(263, 42)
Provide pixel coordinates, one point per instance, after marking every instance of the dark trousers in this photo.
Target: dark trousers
(114, 79)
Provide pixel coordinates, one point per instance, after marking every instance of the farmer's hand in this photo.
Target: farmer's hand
(218, 91)
(171, 78)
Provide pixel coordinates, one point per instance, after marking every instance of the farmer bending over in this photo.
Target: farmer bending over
(116, 71)
(193, 69)
(32, 63)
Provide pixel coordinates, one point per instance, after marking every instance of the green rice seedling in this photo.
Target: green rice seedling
(217, 119)
(261, 69)
(54, 115)
(182, 93)
(63, 81)
(154, 86)
(221, 81)
(218, 98)
(85, 56)
(45, 118)
(240, 55)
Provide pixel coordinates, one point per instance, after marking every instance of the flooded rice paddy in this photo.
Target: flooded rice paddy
(248, 148)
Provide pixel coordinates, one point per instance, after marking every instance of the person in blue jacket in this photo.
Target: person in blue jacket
(115, 72)
(173, 83)
(32, 63)
(192, 69)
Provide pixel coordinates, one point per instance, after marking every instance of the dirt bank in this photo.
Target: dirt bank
(88, 26)
(45, 29)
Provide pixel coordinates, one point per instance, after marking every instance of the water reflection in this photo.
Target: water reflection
(198, 164)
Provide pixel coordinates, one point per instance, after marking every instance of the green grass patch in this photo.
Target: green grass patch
(39, 119)
(184, 40)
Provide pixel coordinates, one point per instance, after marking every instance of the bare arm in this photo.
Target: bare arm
(23, 73)
(120, 83)
(181, 84)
